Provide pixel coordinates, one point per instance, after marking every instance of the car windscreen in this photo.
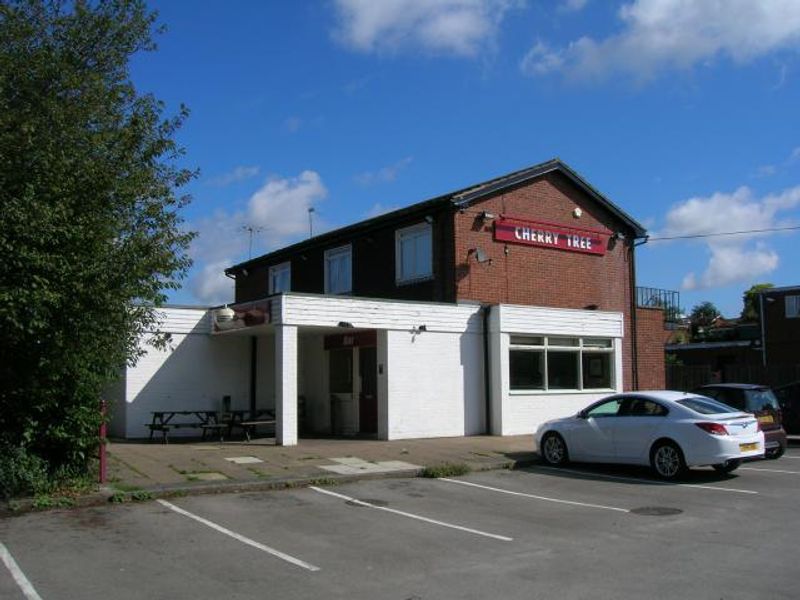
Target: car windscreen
(761, 400)
(706, 406)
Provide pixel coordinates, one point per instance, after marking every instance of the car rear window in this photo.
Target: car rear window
(761, 400)
(706, 406)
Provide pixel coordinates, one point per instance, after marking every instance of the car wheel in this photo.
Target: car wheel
(729, 466)
(777, 453)
(667, 460)
(554, 449)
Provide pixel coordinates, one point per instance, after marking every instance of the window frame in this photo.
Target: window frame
(411, 231)
(335, 253)
(792, 301)
(276, 270)
(542, 344)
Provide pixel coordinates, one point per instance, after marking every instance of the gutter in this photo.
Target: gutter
(634, 320)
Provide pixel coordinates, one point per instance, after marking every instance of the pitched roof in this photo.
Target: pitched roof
(460, 199)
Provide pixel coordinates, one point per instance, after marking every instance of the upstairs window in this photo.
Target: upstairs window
(792, 307)
(280, 278)
(413, 254)
(339, 270)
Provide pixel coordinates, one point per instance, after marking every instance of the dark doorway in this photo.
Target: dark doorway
(368, 399)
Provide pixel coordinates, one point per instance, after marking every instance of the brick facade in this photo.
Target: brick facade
(515, 274)
(539, 276)
(650, 342)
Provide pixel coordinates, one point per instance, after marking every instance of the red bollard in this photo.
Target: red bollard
(102, 449)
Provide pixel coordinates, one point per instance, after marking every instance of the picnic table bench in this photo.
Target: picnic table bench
(209, 421)
(261, 417)
(163, 421)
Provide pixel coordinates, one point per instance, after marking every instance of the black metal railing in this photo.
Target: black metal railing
(667, 300)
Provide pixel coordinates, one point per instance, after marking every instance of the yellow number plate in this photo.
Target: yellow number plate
(766, 419)
(748, 447)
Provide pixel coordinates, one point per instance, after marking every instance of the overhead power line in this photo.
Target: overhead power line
(722, 233)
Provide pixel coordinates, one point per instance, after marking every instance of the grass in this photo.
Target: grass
(445, 470)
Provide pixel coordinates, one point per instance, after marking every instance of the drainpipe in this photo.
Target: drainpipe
(634, 319)
(487, 374)
(253, 371)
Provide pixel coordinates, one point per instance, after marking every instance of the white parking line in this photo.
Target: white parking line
(650, 481)
(494, 536)
(241, 538)
(22, 581)
(545, 498)
(769, 470)
(794, 457)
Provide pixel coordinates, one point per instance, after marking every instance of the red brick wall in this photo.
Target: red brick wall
(650, 341)
(544, 276)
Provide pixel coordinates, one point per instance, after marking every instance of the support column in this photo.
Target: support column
(383, 384)
(286, 385)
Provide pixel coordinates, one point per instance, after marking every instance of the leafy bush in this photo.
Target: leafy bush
(22, 473)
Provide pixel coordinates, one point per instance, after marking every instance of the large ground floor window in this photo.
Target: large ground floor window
(561, 363)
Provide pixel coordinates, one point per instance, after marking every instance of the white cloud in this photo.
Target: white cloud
(454, 27)
(573, 5)
(384, 174)
(292, 124)
(732, 258)
(379, 209)
(211, 286)
(678, 34)
(541, 59)
(238, 174)
(279, 213)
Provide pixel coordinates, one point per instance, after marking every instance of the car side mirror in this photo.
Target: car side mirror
(581, 414)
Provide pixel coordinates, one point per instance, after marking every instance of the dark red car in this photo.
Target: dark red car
(756, 399)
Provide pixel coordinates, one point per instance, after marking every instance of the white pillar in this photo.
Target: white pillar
(286, 385)
(383, 384)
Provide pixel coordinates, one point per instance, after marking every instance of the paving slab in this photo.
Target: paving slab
(155, 466)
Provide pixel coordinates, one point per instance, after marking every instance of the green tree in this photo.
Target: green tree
(92, 237)
(703, 314)
(750, 301)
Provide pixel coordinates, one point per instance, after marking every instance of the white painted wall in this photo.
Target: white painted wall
(193, 372)
(515, 413)
(434, 383)
(313, 383)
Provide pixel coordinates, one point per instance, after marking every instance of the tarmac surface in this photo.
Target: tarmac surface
(599, 532)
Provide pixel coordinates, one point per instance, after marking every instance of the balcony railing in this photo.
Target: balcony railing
(667, 300)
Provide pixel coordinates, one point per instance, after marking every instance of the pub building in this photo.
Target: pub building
(485, 310)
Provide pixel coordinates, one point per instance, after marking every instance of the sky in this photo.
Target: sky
(684, 113)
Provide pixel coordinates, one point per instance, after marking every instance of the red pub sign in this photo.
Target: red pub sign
(532, 233)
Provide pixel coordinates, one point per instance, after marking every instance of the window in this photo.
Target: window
(280, 278)
(642, 407)
(561, 363)
(607, 408)
(792, 307)
(413, 253)
(339, 270)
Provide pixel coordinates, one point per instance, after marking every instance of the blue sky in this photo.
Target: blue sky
(684, 113)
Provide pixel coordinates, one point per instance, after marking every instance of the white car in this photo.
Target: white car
(667, 430)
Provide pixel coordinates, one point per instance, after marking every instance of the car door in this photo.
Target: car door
(592, 437)
(639, 424)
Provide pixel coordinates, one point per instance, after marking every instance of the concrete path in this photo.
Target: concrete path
(215, 466)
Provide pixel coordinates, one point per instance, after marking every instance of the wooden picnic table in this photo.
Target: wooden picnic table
(221, 422)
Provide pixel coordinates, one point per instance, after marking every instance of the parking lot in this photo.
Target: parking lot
(579, 532)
